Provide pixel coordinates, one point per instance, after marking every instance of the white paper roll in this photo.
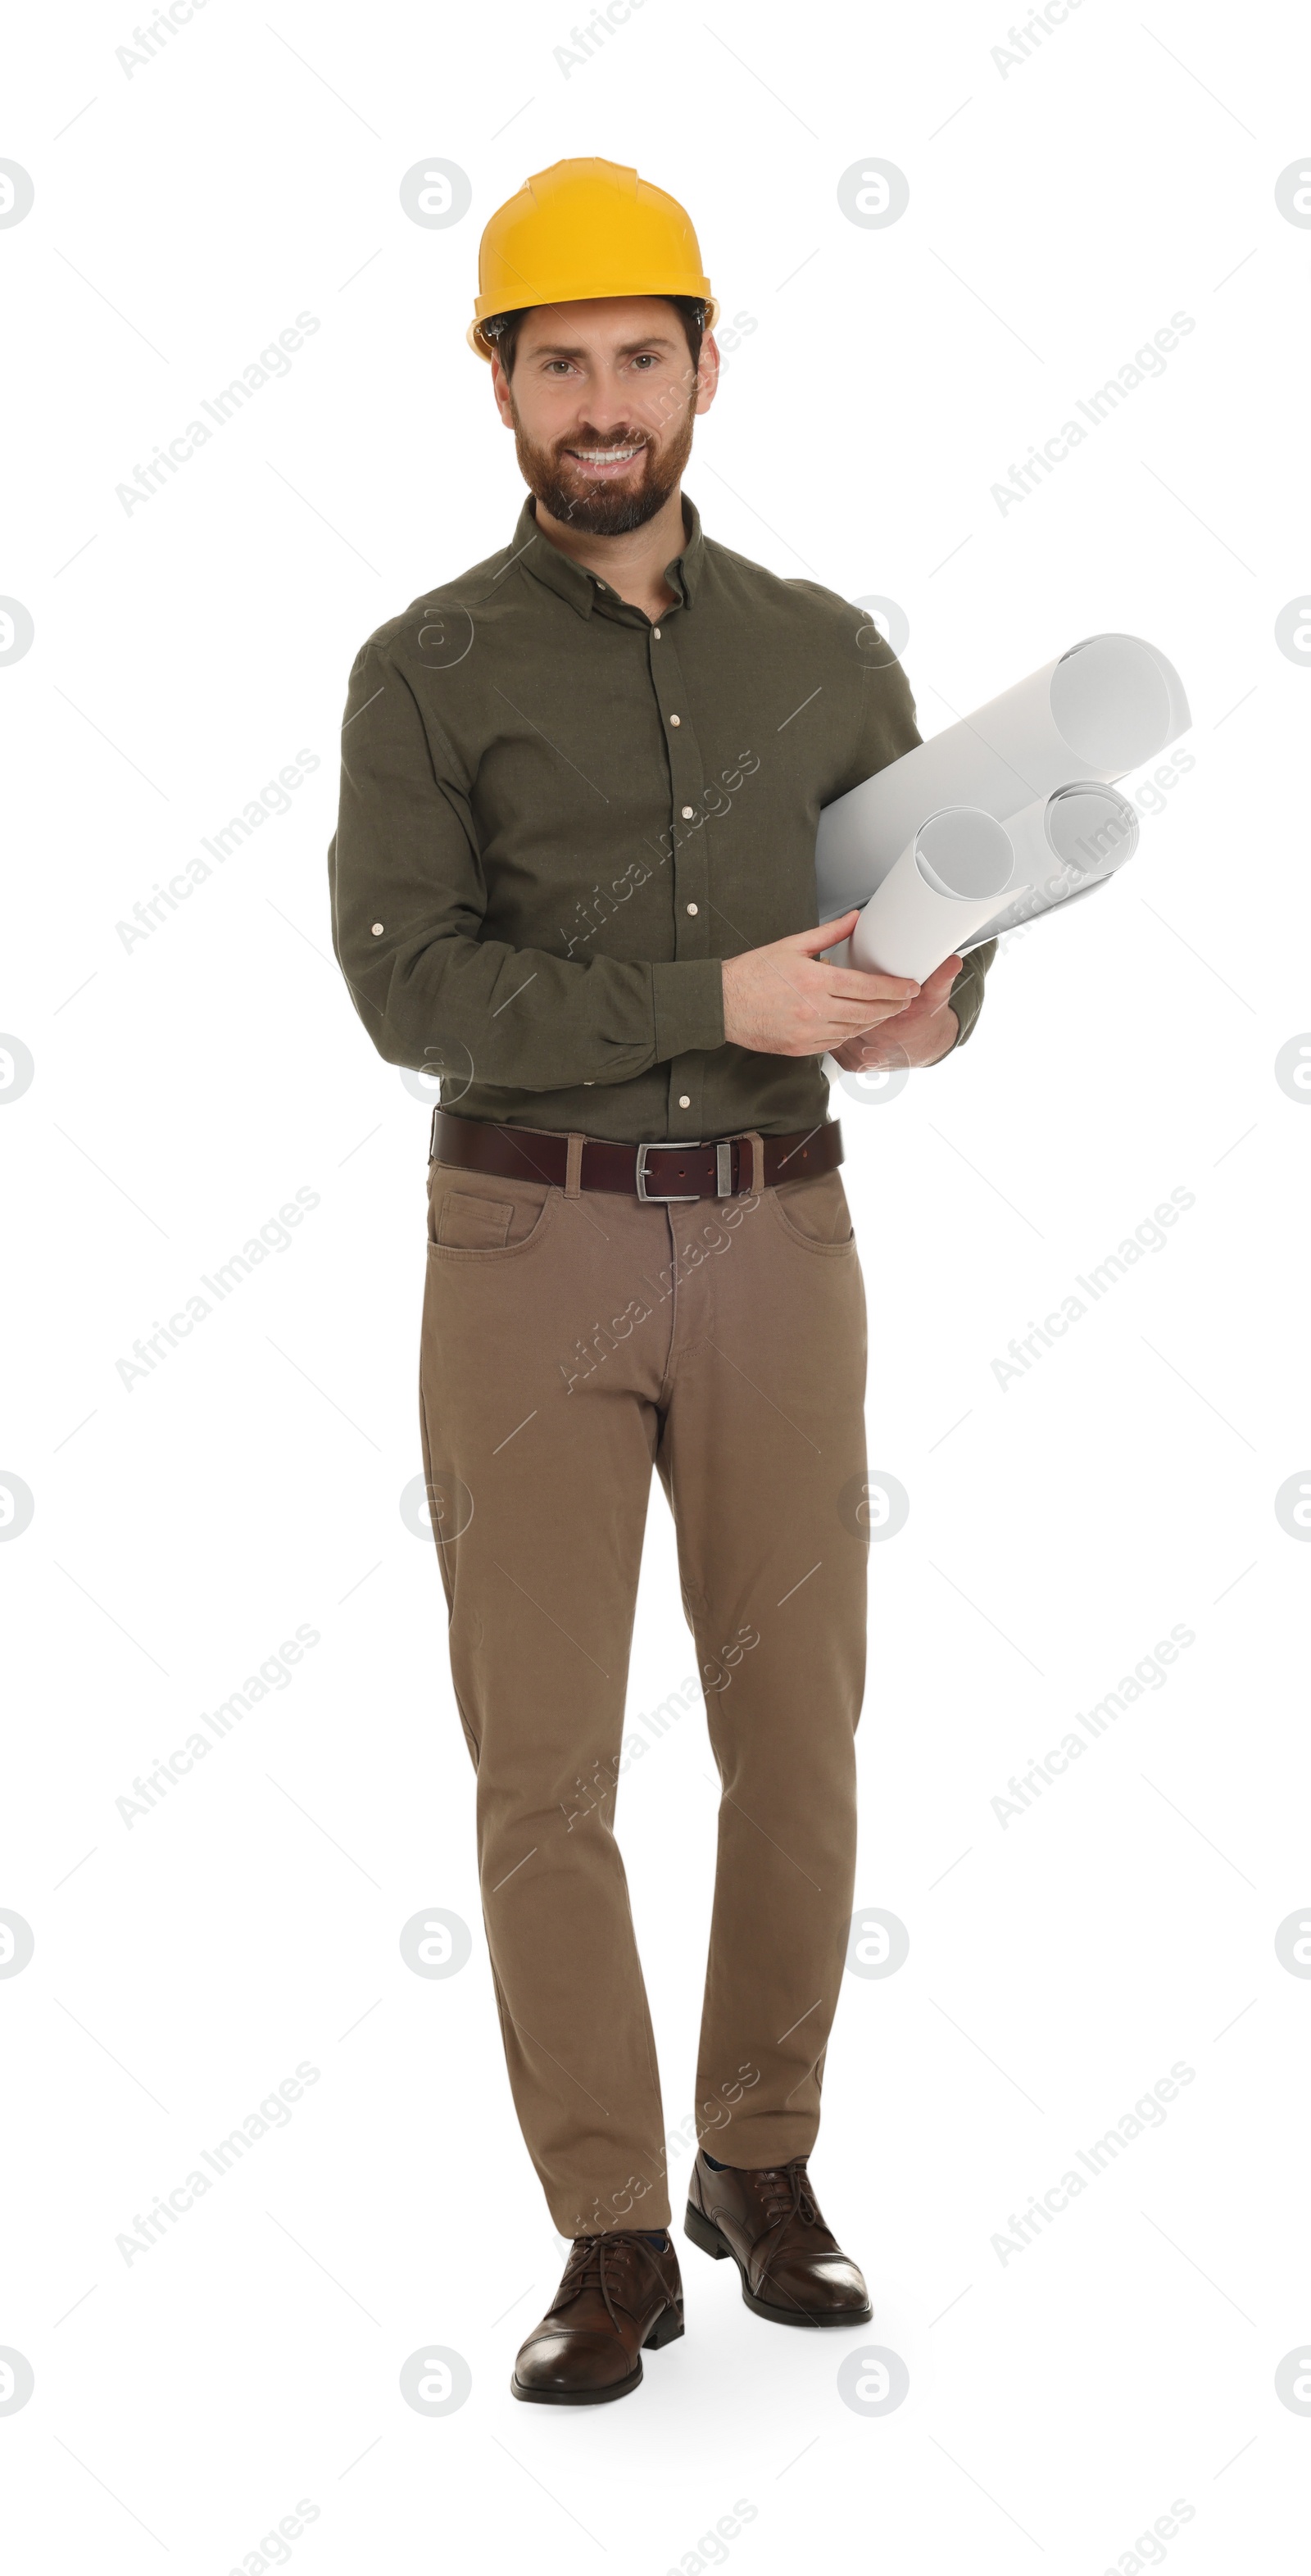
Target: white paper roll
(1095, 712)
(1052, 912)
(950, 878)
(1063, 847)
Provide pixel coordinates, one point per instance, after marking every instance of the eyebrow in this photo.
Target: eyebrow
(627, 348)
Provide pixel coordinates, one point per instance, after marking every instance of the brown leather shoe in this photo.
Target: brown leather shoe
(619, 2297)
(769, 2220)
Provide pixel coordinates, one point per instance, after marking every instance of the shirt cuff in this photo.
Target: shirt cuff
(689, 1007)
(966, 995)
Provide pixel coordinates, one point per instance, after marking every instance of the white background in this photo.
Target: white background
(1061, 210)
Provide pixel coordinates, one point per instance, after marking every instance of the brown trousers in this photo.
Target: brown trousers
(571, 1341)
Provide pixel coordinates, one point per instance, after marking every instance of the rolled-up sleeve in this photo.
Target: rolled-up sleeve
(409, 901)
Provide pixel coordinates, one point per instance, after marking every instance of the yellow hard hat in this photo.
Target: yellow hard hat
(580, 230)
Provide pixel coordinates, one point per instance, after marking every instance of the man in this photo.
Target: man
(574, 874)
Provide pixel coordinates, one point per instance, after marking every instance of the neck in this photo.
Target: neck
(633, 564)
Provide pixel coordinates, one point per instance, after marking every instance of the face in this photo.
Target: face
(601, 403)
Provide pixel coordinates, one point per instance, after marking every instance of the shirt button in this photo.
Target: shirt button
(656, 632)
(683, 1101)
(675, 719)
(377, 930)
(691, 907)
(688, 811)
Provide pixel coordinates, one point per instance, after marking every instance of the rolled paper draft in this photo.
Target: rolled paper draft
(1085, 830)
(1094, 713)
(1074, 842)
(950, 879)
(1025, 914)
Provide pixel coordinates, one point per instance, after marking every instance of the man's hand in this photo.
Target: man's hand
(924, 1031)
(781, 1000)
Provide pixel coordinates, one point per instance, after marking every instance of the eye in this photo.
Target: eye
(646, 358)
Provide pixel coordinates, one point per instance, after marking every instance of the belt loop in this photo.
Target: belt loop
(573, 1169)
(432, 1137)
(757, 1162)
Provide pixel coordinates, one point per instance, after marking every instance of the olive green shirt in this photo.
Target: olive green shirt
(558, 816)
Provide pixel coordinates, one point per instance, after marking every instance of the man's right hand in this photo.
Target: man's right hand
(782, 1000)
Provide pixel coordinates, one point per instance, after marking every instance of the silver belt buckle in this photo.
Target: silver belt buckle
(671, 1145)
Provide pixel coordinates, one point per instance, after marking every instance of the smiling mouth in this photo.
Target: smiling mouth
(604, 460)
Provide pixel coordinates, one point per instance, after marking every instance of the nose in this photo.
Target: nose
(606, 413)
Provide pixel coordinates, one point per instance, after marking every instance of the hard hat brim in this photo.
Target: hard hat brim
(593, 295)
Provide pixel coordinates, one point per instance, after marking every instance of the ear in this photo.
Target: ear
(501, 392)
(707, 381)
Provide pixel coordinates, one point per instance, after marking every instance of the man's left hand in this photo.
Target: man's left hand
(919, 1034)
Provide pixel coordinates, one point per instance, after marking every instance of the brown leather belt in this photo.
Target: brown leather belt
(725, 1168)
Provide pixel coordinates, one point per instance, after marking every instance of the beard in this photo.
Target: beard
(604, 509)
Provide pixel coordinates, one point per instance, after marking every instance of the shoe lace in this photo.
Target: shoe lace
(786, 2193)
(601, 2263)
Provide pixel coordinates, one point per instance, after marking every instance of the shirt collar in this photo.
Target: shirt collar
(580, 588)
